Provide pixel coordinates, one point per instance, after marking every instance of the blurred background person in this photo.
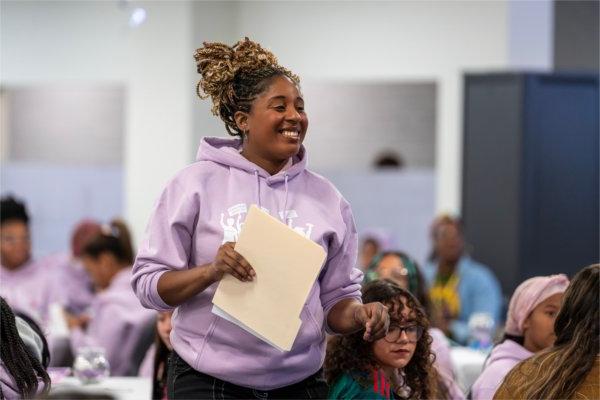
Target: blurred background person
(26, 285)
(369, 248)
(116, 318)
(74, 278)
(529, 330)
(459, 287)
(155, 364)
(571, 368)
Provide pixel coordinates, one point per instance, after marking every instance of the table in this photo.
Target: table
(468, 364)
(121, 388)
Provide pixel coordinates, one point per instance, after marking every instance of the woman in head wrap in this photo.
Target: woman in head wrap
(529, 329)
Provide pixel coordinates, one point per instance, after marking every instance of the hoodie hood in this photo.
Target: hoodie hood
(226, 151)
(510, 351)
(502, 359)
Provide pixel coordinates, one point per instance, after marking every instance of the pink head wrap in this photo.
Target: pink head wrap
(528, 295)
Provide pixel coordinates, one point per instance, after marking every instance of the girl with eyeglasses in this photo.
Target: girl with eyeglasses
(397, 366)
(401, 269)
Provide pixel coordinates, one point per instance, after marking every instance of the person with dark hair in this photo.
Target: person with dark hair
(570, 369)
(529, 330)
(155, 365)
(73, 277)
(116, 317)
(26, 285)
(400, 365)
(189, 243)
(459, 287)
(22, 363)
(403, 270)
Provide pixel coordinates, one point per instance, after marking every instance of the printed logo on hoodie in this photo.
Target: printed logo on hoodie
(233, 219)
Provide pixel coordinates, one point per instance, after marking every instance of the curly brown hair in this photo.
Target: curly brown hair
(233, 76)
(351, 353)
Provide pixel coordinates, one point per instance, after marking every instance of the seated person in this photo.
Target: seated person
(23, 357)
(571, 368)
(529, 329)
(26, 285)
(401, 269)
(400, 365)
(155, 363)
(459, 287)
(72, 277)
(116, 316)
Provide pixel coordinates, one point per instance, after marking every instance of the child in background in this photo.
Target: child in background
(400, 365)
(155, 363)
(529, 329)
(571, 368)
(400, 268)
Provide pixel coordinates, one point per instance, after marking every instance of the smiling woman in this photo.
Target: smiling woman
(190, 240)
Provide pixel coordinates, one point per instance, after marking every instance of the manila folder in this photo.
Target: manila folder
(286, 264)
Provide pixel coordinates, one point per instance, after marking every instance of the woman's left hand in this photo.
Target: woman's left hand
(375, 319)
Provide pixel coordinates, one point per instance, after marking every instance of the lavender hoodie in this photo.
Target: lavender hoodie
(30, 289)
(117, 320)
(502, 359)
(205, 205)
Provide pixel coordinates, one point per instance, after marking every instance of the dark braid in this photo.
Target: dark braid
(20, 362)
(234, 76)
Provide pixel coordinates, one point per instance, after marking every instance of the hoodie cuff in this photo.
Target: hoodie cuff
(158, 302)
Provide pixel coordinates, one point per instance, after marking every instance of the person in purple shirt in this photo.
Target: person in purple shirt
(26, 285)
(529, 330)
(116, 318)
(188, 246)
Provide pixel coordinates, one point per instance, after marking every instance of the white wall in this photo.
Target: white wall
(90, 42)
(351, 124)
(159, 109)
(405, 40)
(53, 42)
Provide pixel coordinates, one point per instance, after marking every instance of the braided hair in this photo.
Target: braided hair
(234, 76)
(20, 362)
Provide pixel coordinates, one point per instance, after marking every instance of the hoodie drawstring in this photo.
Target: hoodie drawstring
(286, 200)
(257, 189)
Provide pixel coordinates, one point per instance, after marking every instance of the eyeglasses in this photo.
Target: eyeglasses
(413, 333)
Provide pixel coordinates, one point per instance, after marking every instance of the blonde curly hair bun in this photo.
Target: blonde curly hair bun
(232, 76)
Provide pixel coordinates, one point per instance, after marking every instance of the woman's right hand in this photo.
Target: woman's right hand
(229, 261)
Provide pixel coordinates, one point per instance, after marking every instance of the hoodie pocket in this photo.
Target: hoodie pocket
(315, 316)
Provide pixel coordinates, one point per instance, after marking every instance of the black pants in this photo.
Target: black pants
(184, 382)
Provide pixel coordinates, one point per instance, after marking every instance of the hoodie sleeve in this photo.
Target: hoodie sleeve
(166, 245)
(341, 280)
